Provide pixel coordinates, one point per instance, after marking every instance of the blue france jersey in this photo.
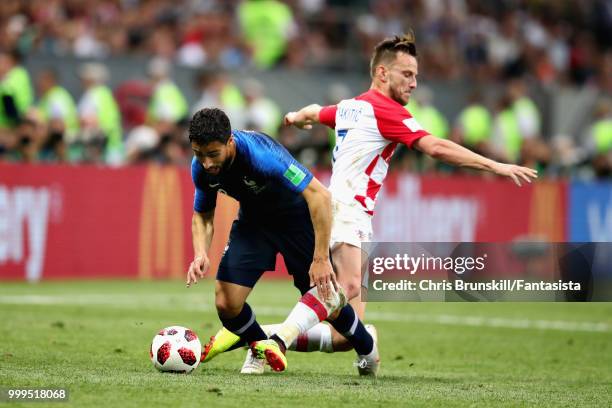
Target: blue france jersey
(264, 178)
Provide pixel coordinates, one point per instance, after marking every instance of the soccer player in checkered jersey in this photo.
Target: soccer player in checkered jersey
(368, 129)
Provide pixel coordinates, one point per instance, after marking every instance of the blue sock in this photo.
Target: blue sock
(244, 325)
(348, 324)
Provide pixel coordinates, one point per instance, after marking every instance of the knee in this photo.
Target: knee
(349, 273)
(353, 289)
(351, 283)
(226, 308)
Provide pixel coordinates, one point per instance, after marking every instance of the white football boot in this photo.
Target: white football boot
(369, 364)
(252, 364)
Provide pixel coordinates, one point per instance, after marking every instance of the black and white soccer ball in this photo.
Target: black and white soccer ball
(176, 349)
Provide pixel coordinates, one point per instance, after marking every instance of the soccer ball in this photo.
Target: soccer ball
(176, 349)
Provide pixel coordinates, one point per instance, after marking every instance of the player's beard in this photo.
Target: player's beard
(227, 163)
(397, 95)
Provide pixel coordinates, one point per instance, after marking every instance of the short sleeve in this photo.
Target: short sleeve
(399, 126)
(273, 160)
(205, 197)
(295, 176)
(327, 116)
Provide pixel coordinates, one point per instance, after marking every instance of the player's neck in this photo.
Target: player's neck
(231, 152)
(380, 88)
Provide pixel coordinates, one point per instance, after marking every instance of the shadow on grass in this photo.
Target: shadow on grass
(299, 377)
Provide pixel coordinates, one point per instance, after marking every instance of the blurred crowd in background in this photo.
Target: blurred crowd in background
(517, 43)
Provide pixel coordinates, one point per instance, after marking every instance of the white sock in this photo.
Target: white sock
(309, 311)
(270, 329)
(318, 338)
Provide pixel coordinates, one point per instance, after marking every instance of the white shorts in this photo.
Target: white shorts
(350, 225)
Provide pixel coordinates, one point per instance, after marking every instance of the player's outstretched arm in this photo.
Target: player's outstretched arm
(452, 153)
(304, 118)
(201, 233)
(319, 204)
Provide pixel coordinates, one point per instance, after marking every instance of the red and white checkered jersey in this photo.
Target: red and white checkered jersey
(368, 129)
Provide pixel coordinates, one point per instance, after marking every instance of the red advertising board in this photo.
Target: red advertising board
(468, 209)
(98, 222)
(59, 221)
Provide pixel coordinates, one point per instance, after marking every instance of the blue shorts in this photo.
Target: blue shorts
(252, 250)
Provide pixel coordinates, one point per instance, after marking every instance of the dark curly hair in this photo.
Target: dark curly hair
(209, 125)
(386, 50)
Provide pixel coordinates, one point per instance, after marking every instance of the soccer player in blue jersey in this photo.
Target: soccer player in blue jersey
(283, 209)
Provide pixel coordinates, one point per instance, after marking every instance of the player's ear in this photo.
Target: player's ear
(382, 72)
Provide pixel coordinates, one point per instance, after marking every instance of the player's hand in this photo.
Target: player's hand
(197, 269)
(323, 277)
(293, 118)
(516, 173)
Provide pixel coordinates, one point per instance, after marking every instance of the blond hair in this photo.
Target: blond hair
(386, 50)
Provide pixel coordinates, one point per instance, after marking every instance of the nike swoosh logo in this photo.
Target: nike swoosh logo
(214, 185)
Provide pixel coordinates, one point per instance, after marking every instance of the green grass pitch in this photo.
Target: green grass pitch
(93, 338)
